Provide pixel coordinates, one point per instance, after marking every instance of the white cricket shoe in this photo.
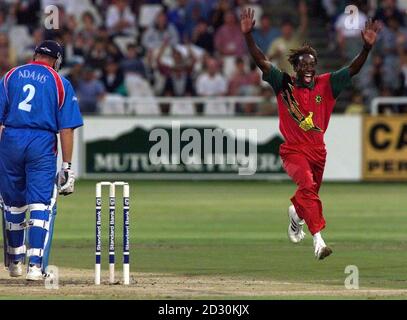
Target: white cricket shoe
(321, 250)
(34, 273)
(295, 232)
(15, 269)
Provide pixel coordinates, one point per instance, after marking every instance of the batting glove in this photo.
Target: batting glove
(66, 179)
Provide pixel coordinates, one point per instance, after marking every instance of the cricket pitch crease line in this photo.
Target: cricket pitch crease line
(79, 282)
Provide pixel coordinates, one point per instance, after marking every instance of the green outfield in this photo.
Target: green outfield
(226, 240)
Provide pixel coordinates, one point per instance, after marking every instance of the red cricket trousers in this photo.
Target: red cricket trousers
(305, 165)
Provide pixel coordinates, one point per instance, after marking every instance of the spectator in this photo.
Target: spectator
(89, 27)
(136, 86)
(387, 109)
(179, 84)
(37, 38)
(195, 15)
(391, 42)
(238, 78)
(113, 78)
(348, 39)
(242, 83)
(281, 46)
(205, 7)
(75, 71)
(402, 6)
(388, 10)
(4, 67)
(102, 49)
(131, 62)
(266, 107)
(119, 19)
(178, 73)
(90, 91)
(202, 36)
(184, 17)
(333, 8)
(78, 7)
(154, 36)
(198, 19)
(372, 82)
(212, 83)
(103, 34)
(229, 40)
(403, 68)
(71, 24)
(266, 34)
(254, 74)
(290, 39)
(68, 46)
(97, 55)
(239, 6)
(5, 21)
(356, 106)
(330, 8)
(178, 16)
(8, 54)
(82, 45)
(113, 50)
(28, 13)
(218, 13)
(377, 72)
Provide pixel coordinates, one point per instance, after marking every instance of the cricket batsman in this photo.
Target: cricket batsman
(36, 103)
(305, 103)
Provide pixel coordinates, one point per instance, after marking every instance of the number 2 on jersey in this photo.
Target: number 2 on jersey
(24, 105)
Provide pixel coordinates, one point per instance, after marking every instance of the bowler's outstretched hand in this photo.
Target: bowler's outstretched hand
(247, 21)
(369, 34)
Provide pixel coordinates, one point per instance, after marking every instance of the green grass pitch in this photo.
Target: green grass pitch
(238, 230)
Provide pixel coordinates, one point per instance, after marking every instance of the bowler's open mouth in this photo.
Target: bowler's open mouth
(308, 77)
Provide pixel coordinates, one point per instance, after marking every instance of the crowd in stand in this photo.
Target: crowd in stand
(385, 73)
(187, 48)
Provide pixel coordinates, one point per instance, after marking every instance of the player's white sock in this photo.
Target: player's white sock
(318, 240)
(294, 214)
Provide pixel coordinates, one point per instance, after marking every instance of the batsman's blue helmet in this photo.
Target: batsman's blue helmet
(53, 49)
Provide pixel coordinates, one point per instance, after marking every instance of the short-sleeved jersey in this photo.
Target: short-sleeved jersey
(36, 96)
(314, 102)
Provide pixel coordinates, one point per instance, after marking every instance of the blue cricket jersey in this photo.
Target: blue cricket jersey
(36, 96)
